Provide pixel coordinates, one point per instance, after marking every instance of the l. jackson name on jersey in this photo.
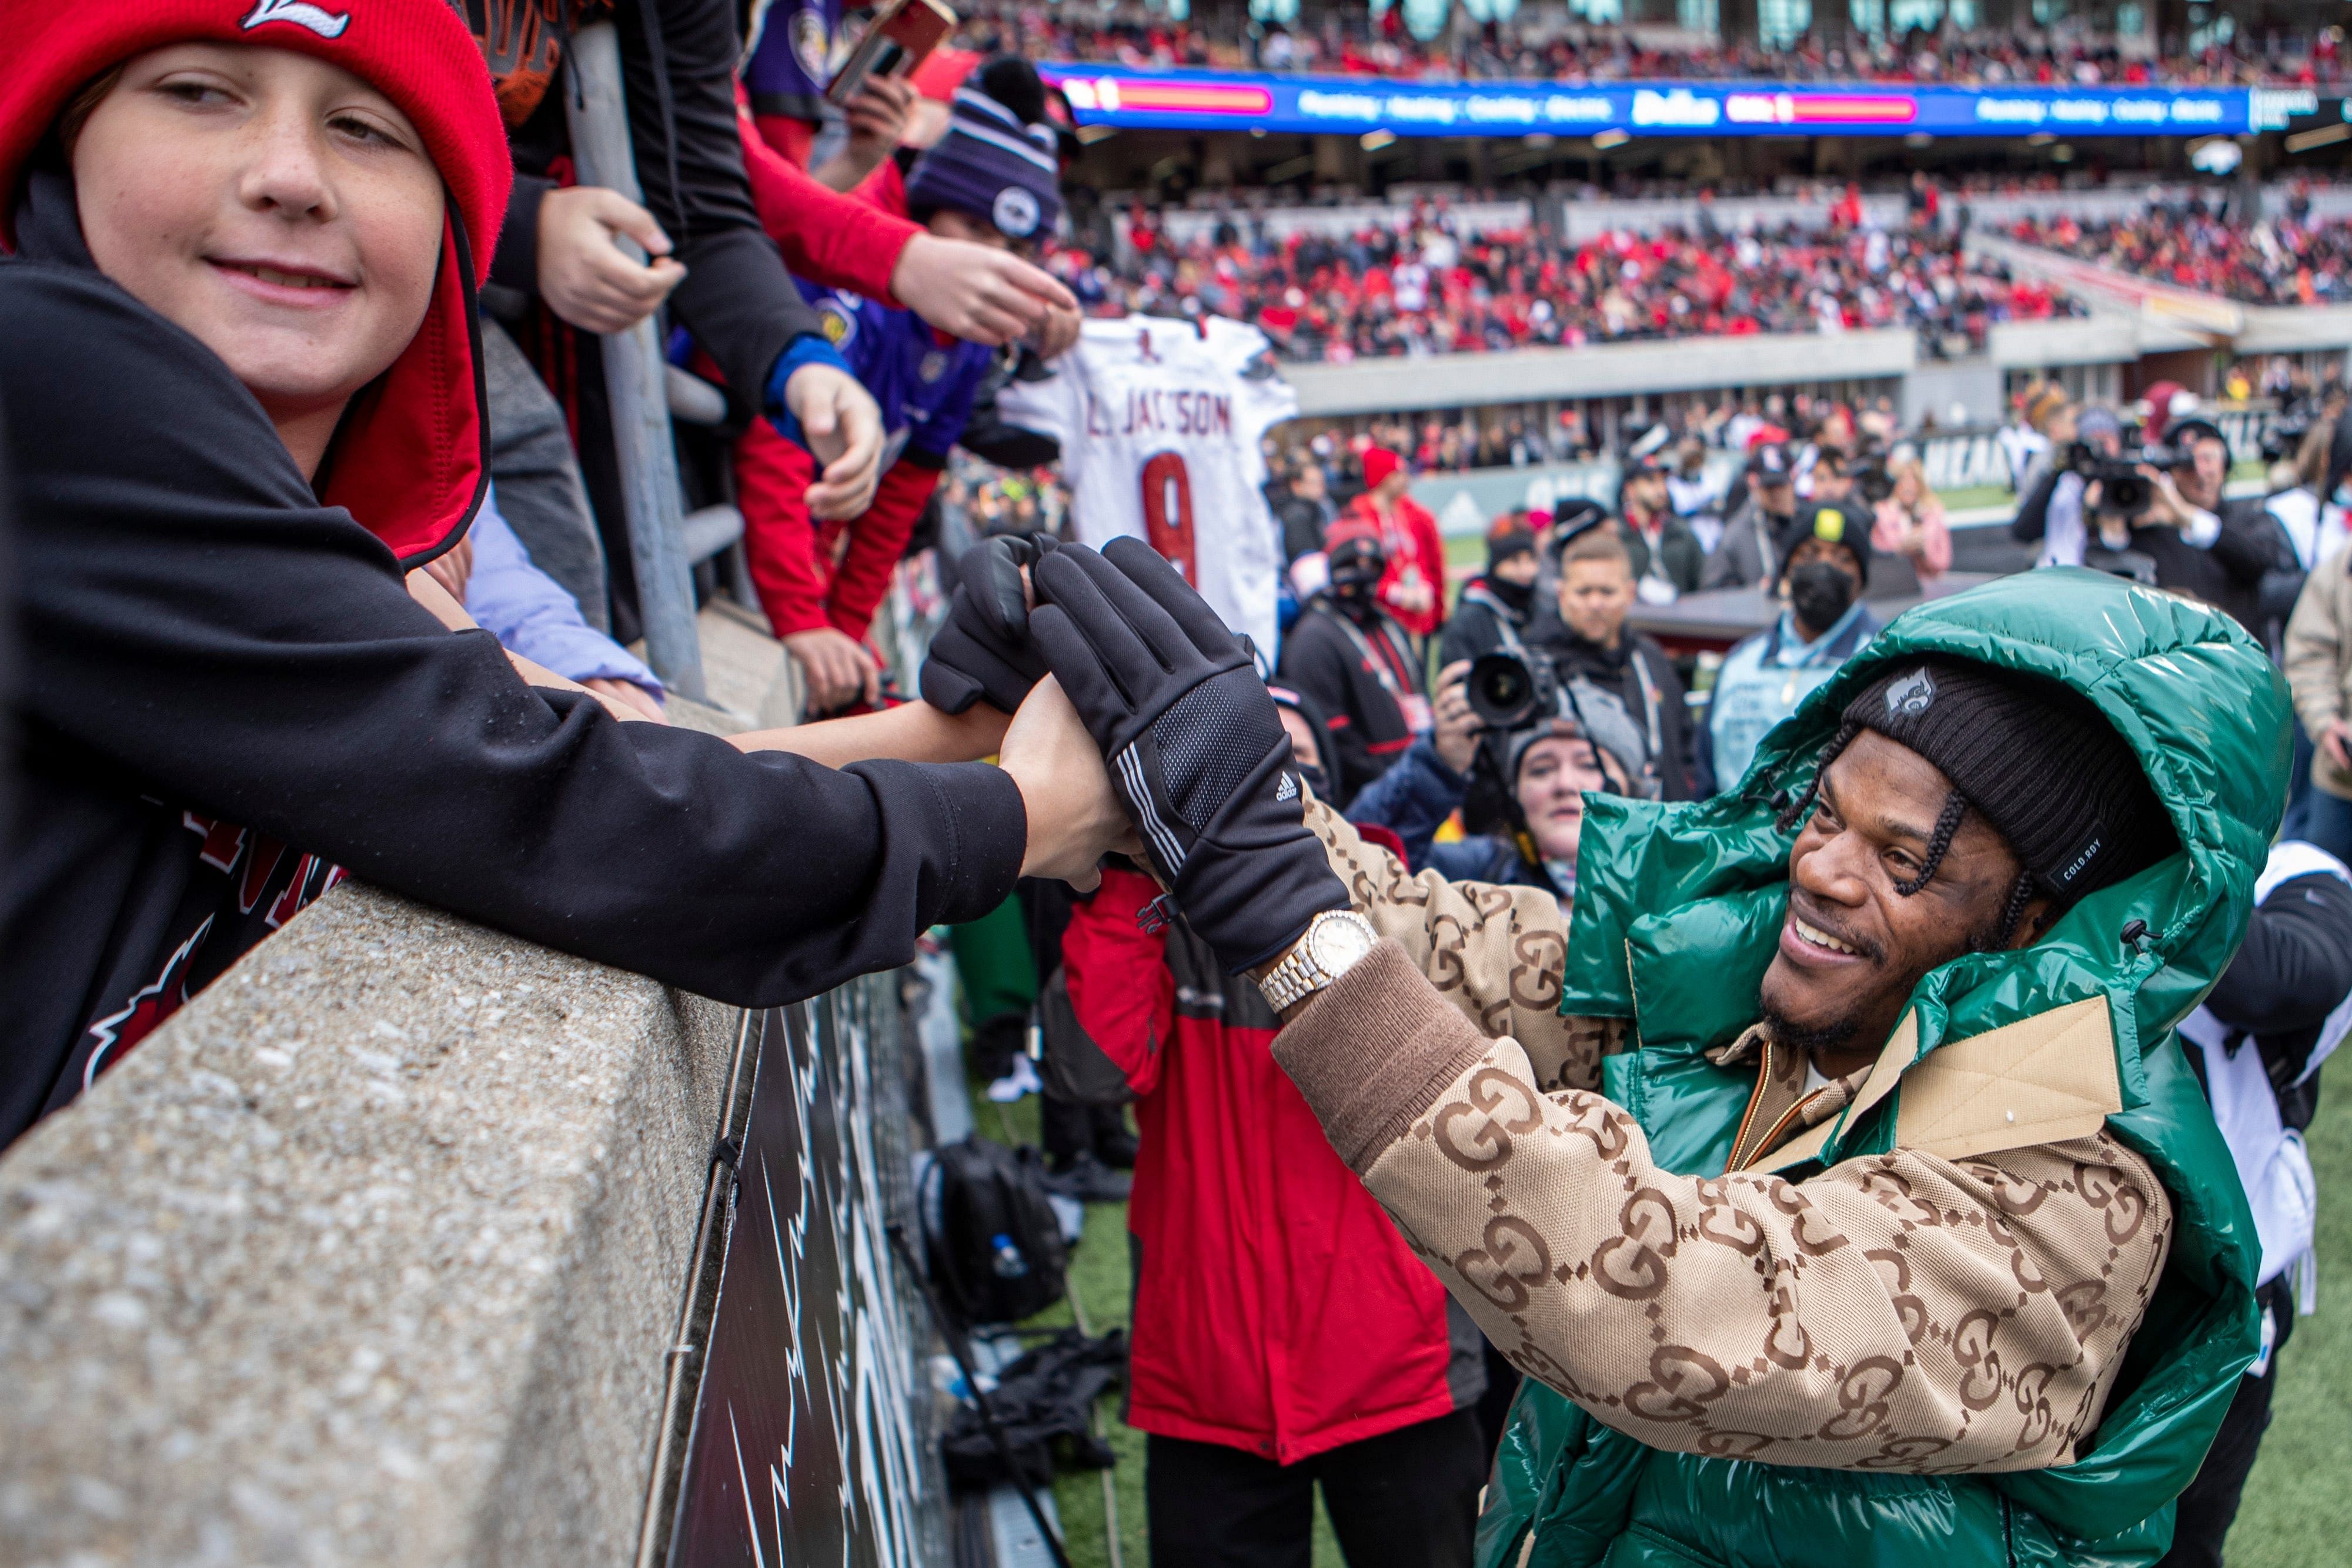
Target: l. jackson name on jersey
(1161, 424)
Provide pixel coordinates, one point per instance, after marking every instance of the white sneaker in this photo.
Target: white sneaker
(1021, 1080)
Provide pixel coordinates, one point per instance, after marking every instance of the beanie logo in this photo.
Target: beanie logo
(301, 13)
(2081, 859)
(1912, 694)
(1015, 212)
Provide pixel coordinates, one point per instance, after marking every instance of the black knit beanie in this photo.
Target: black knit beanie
(1503, 542)
(2036, 759)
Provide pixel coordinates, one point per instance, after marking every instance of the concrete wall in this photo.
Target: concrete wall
(371, 1254)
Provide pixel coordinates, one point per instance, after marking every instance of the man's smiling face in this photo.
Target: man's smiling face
(1852, 946)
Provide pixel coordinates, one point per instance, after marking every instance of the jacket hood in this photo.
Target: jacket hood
(411, 458)
(2202, 706)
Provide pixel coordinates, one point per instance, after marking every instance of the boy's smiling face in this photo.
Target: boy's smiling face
(276, 206)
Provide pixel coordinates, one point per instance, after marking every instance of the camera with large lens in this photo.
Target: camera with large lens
(1511, 688)
(2124, 491)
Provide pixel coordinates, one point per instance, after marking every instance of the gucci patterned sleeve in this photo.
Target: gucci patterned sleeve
(1896, 1312)
(1494, 952)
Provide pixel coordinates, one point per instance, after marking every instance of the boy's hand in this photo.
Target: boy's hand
(976, 293)
(838, 671)
(1076, 817)
(584, 274)
(878, 122)
(842, 431)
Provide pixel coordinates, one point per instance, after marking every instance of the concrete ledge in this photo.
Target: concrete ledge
(369, 1256)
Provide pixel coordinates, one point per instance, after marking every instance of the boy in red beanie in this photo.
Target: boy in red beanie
(1414, 589)
(268, 221)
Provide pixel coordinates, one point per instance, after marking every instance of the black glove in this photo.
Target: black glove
(1195, 746)
(983, 648)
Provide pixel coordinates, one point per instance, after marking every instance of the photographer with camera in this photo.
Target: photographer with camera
(1349, 657)
(2053, 512)
(2156, 515)
(2215, 550)
(1630, 670)
(1765, 678)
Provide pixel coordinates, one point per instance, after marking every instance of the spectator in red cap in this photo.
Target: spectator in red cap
(1414, 590)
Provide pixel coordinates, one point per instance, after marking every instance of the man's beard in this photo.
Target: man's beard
(1833, 1036)
(1839, 1033)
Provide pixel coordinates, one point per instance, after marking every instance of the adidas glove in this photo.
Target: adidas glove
(1195, 747)
(982, 649)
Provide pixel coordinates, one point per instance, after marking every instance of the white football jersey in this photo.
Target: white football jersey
(1159, 423)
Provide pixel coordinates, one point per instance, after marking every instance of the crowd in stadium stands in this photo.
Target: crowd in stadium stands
(1132, 36)
(2288, 260)
(1425, 290)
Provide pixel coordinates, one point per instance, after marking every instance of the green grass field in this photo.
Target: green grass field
(2299, 1502)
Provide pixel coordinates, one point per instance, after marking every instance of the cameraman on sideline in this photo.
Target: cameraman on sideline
(2191, 540)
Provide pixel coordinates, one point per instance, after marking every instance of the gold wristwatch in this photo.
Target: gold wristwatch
(1334, 941)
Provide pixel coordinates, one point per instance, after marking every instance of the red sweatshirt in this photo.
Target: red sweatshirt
(827, 238)
(1408, 536)
(1276, 1309)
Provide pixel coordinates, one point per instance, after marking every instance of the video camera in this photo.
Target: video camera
(1510, 689)
(2124, 491)
(1514, 690)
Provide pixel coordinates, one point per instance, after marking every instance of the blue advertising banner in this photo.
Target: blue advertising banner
(1220, 100)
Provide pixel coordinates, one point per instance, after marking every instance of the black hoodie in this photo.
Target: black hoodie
(227, 695)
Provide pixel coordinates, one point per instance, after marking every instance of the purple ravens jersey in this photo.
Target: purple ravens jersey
(791, 58)
(924, 388)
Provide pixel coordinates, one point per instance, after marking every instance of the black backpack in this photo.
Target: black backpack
(996, 1250)
(1074, 1068)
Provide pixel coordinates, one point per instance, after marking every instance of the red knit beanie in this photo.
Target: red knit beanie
(408, 460)
(1378, 463)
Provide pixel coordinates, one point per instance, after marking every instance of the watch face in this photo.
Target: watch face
(1336, 944)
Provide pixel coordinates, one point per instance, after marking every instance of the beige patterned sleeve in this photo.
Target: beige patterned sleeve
(1494, 952)
(1898, 1313)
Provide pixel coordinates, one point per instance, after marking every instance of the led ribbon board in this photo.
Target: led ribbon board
(1220, 100)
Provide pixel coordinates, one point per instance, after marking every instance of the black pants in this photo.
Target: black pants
(2207, 1508)
(1407, 1499)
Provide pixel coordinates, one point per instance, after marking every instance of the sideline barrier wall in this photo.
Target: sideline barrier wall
(374, 1253)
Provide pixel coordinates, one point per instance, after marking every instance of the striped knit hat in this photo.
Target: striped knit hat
(992, 166)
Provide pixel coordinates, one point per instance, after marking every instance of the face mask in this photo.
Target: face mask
(1313, 778)
(1819, 593)
(1516, 596)
(1353, 595)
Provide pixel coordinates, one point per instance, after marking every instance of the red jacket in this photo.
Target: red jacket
(1409, 535)
(1276, 1309)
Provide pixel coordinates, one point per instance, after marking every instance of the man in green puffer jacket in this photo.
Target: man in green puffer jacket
(1848, 1199)
(1834, 1175)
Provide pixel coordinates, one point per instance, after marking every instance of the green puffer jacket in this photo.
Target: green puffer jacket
(1681, 907)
